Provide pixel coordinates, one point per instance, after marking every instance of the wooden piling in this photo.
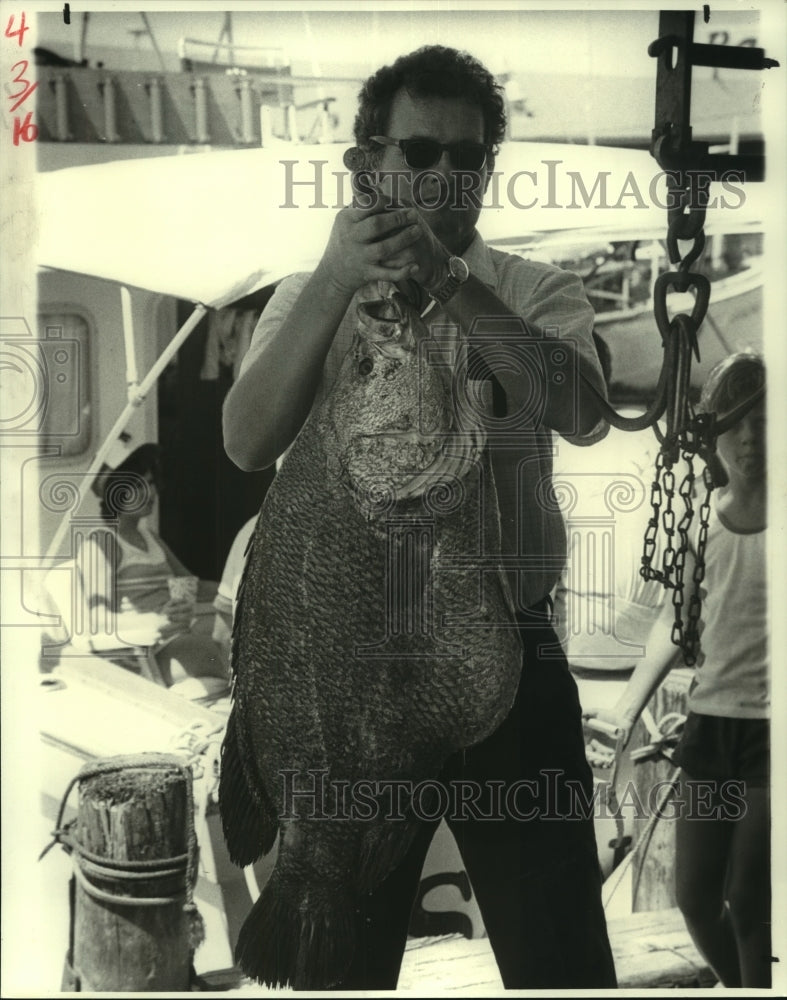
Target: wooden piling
(653, 872)
(134, 926)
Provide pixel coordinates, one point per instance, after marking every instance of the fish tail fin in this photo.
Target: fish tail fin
(307, 948)
(249, 822)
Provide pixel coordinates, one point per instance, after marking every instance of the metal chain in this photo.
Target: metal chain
(685, 162)
(687, 434)
(662, 494)
(678, 596)
(691, 638)
(649, 549)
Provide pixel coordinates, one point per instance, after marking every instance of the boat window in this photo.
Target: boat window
(64, 356)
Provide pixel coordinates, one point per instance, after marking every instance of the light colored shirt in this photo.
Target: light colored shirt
(142, 574)
(731, 677)
(233, 569)
(554, 301)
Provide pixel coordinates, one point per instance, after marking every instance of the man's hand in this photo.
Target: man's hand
(426, 254)
(370, 244)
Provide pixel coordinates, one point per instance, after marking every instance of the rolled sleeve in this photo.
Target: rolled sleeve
(273, 315)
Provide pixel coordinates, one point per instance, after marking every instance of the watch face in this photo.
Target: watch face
(458, 268)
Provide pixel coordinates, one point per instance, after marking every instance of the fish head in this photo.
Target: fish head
(388, 318)
(393, 432)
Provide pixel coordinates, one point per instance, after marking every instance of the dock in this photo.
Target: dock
(652, 951)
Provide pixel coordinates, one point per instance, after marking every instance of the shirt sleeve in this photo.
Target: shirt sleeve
(559, 307)
(273, 315)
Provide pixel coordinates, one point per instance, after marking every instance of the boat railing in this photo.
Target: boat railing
(200, 107)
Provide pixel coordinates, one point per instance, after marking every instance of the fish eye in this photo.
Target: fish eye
(365, 366)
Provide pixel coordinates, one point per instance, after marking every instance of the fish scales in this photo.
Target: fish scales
(367, 647)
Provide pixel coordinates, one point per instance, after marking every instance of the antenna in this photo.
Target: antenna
(154, 42)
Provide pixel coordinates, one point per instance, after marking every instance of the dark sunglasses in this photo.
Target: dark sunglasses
(420, 154)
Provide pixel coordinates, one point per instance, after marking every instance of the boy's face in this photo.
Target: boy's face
(457, 197)
(742, 447)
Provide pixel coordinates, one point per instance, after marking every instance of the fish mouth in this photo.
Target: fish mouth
(385, 320)
(384, 310)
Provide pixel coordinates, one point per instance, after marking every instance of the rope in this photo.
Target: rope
(662, 735)
(202, 744)
(667, 731)
(122, 870)
(117, 898)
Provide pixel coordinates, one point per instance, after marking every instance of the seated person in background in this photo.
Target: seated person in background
(126, 576)
(224, 602)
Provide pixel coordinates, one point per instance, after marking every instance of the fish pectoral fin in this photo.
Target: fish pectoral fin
(284, 942)
(249, 821)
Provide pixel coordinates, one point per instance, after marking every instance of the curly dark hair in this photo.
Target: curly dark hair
(122, 490)
(431, 71)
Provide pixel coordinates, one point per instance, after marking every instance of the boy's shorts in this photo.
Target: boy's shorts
(724, 749)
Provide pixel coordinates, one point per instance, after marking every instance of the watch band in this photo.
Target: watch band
(458, 273)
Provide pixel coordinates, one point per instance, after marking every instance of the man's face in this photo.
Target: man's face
(456, 196)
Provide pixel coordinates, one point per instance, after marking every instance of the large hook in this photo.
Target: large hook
(671, 389)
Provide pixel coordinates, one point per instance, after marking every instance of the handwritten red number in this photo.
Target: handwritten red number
(27, 131)
(19, 32)
(27, 86)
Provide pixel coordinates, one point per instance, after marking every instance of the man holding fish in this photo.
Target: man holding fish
(520, 336)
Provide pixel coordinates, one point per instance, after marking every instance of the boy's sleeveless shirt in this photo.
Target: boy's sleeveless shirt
(732, 668)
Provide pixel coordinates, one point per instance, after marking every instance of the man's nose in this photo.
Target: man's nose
(444, 165)
(748, 429)
(436, 180)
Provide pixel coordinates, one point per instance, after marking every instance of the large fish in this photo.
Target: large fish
(374, 637)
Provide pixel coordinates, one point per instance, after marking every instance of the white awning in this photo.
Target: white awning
(206, 227)
(212, 227)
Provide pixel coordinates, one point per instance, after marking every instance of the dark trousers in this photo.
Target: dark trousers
(534, 866)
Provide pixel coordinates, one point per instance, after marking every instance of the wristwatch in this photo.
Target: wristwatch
(458, 273)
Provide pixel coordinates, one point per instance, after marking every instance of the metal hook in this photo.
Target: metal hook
(682, 281)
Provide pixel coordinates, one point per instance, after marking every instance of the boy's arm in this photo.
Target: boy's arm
(661, 655)
(647, 676)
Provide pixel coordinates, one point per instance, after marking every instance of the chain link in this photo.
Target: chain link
(651, 532)
(691, 639)
(687, 434)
